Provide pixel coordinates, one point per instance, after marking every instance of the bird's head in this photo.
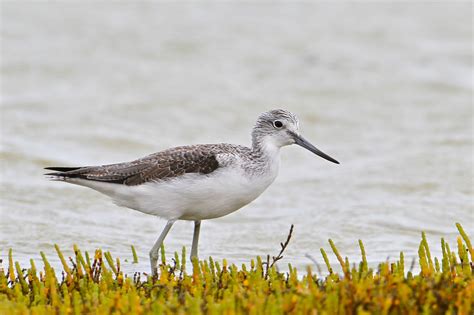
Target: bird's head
(278, 128)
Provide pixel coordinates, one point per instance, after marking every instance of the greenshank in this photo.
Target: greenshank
(195, 182)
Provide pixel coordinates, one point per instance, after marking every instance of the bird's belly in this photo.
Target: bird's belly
(195, 196)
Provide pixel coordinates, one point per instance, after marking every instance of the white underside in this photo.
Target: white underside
(190, 196)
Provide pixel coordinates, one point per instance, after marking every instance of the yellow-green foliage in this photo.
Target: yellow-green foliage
(98, 285)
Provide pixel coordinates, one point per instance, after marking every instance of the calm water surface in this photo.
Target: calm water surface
(385, 89)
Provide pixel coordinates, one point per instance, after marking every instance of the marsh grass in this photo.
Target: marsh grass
(97, 284)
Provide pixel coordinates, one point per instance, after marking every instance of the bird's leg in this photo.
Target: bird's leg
(156, 248)
(194, 248)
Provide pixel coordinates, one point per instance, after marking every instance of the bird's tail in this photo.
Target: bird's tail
(62, 172)
(62, 169)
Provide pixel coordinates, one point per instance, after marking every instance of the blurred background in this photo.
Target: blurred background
(384, 88)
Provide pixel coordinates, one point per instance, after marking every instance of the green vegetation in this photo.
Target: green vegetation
(97, 285)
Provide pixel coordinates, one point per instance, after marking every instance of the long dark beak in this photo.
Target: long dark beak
(299, 140)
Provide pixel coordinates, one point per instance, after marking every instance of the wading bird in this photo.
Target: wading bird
(196, 182)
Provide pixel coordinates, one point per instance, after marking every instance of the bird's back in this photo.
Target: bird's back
(167, 164)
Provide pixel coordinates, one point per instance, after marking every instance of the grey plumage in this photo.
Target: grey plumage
(265, 125)
(155, 167)
(167, 164)
(174, 162)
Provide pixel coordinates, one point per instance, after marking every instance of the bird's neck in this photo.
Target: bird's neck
(266, 149)
(265, 158)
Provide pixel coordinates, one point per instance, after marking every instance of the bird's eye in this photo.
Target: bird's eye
(277, 124)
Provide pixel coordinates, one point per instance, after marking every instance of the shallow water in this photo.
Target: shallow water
(385, 89)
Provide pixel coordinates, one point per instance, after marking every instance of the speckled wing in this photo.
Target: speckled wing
(159, 166)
